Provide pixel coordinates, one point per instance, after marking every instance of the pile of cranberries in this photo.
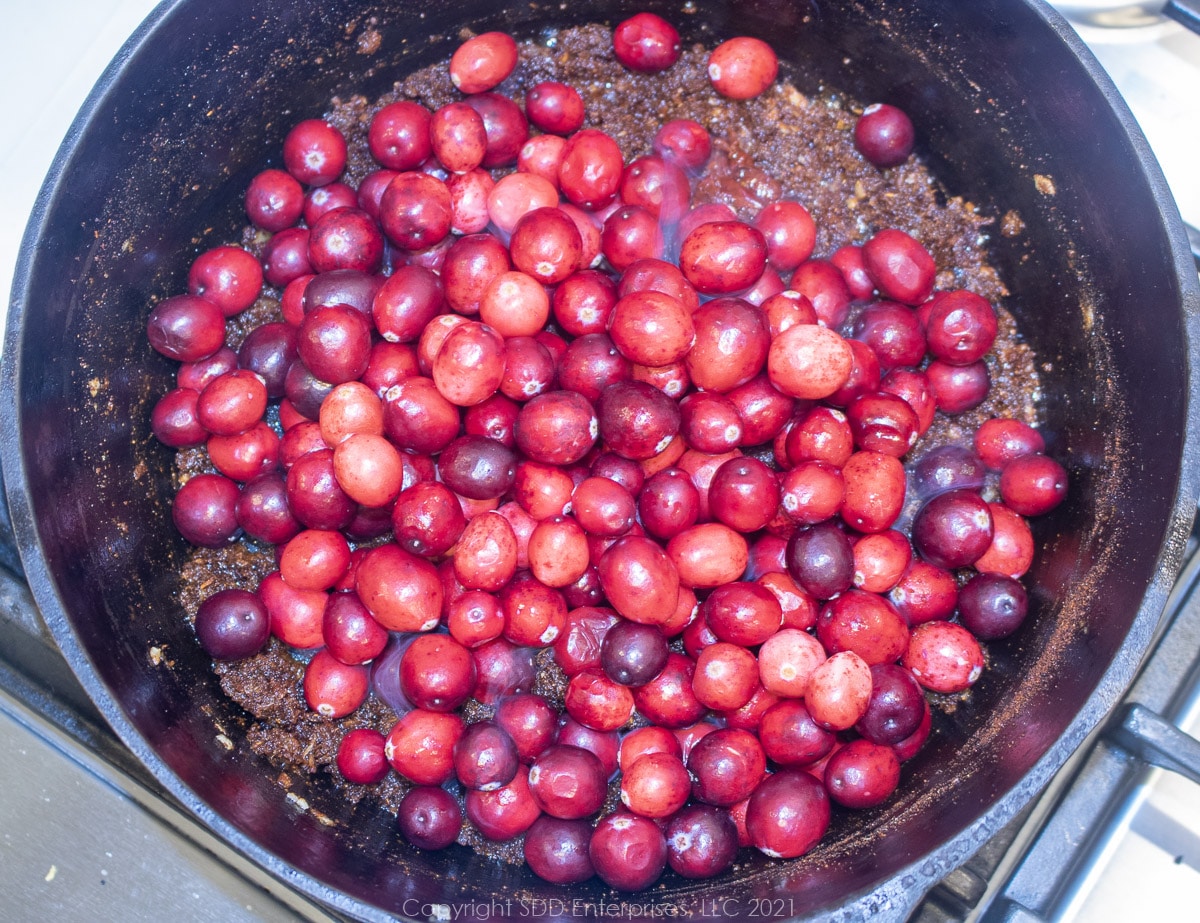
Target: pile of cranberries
(562, 409)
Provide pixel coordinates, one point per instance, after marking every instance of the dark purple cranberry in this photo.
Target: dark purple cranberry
(485, 757)
(304, 390)
(948, 467)
(232, 624)
(429, 817)
(992, 606)
(477, 467)
(953, 529)
(701, 841)
(205, 510)
(263, 512)
(895, 708)
(632, 654)
(884, 135)
(557, 850)
(821, 559)
(269, 351)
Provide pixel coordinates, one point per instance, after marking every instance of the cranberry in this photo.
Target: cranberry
(992, 606)
(429, 817)
(731, 346)
(742, 67)
(944, 657)
(900, 266)
(862, 774)
(875, 490)
(762, 409)
(646, 43)
(884, 135)
(726, 676)
(186, 327)
(864, 623)
(316, 498)
(204, 510)
(314, 152)
(319, 200)
(415, 210)
(911, 745)
(1011, 551)
(486, 554)
(274, 200)
(417, 418)
(195, 375)
(437, 673)
(296, 615)
(469, 366)
(483, 61)
(723, 257)
(650, 328)
(821, 560)
(546, 244)
(1033, 484)
(958, 388)
(557, 850)
(807, 361)
(504, 669)
(743, 494)
(557, 428)
(882, 422)
(893, 332)
(668, 700)
(702, 841)
(403, 592)
(708, 555)
(420, 746)
(568, 782)
(635, 419)
(999, 440)
(583, 302)
(895, 708)
(880, 560)
(285, 256)
(174, 419)
(684, 142)
(632, 654)
(914, 388)
(953, 529)
(530, 721)
(947, 467)
(925, 593)
(787, 815)
(628, 852)
(505, 812)
(505, 124)
(262, 510)
(812, 492)
(349, 631)
(668, 503)
(334, 689)
(839, 691)
(726, 765)
(791, 738)
(398, 136)
(554, 107)
(229, 277)
(232, 624)
(485, 757)
(595, 700)
(960, 326)
(591, 169)
(360, 757)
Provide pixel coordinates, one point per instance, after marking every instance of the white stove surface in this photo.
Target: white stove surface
(51, 54)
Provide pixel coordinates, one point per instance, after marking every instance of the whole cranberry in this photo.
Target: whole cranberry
(821, 559)
(742, 67)
(1033, 485)
(360, 757)
(429, 817)
(895, 708)
(884, 135)
(557, 850)
(628, 852)
(790, 737)
(726, 765)
(702, 841)
(862, 774)
(568, 782)
(992, 606)
(232, 624)
(485, 757)
(953, 529)
(788, 814)
(645, 42)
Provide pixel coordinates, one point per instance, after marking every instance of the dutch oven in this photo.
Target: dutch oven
(1013, 115)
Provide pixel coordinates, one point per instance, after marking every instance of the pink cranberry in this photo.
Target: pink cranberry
(723, 257)
(944, 657)
(742, 67)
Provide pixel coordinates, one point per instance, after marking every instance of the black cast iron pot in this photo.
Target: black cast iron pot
(1012, 114)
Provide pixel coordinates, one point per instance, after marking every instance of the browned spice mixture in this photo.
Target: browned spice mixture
(780, 145)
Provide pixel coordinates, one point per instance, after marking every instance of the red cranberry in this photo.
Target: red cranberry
(557, 428)
(944, 657)
(262, 510)
(839, 691)
(483, 61)
(398, 136)
(958, 388)
(880, 560)
(893, 333)
(204, 510)
(274, 200)
(864, 623)
(862, 774)
(485, 757)
(1011, 551)
(229, 277)
(726, 677)
(505, 124)
(429, 817)
(791, 738)
(530, 721)
(316, 498)
(999, 440)
(415, 210)
(900, 266)
(628, 852)
(726, 765)
(960, 326)
(925, 593)
(568, 782)
(723, 257)
(656, 785)
(557, 850)
(788, 814)
(186, 328)
(668, 700)
(591, 169)
(732, 342)
(742, 67)
(684, 142)
(505, 812)
(668, 503)
(554, 107)
(334, 689)
(884, 135)
(360, 757)
(702, 841)
(420, 746)
(319, 200)
(351, 634)
(875, 490)
(882, 422)
(174, 420)
(635, 419)
(1033, 485)
(646, 43)
(314, 152)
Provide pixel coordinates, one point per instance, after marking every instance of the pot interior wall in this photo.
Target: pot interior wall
(1008, 119)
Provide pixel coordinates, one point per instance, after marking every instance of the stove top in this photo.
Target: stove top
(87, 834)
